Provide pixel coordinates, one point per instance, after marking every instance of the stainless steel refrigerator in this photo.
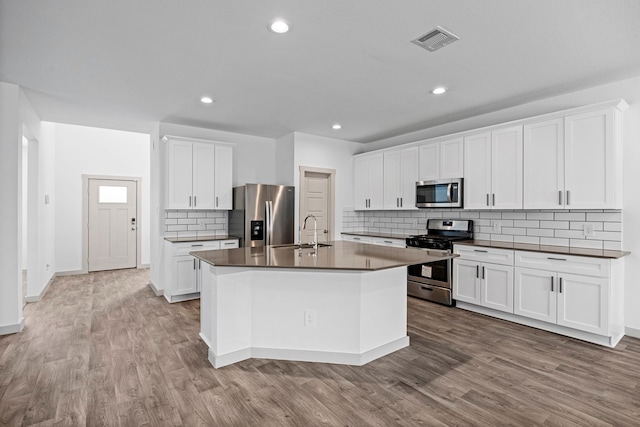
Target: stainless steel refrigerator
(263, 214)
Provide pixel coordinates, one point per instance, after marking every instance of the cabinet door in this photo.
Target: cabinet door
(429, 155)
(506, 168)
(543, 175)
(223, 180)
(409, 164)
(590, 160)
(466, 281)
(391, 192)
(360, 183)
(179, 175)
(204, 176)
(451, 159)
(376, 181)
(583, 303)
(497, 287)
(535, 294)
(477, 171)
(185, 275)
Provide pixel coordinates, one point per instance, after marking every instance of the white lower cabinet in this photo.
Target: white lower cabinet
(572, 300)
(486, 284)
(577, 296)
(182, 271)
(380, 241)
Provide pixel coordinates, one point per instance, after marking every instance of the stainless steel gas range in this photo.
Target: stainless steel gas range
(432, 281)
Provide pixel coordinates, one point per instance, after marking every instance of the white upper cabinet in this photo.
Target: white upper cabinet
(400, 176)
(544, 165)
(506, 168)
(493, 169)
(477, 171)
(199, 174)
(224, 177)
(574, 162)
(368, 181)
(441, 160)
(590, 161)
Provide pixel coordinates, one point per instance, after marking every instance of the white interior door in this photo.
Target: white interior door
(112, 224)
(315, 200)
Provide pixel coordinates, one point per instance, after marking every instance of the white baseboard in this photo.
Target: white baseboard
(158, 292)
(71, 272)
(12, 329)
(36, 298)
(356, 359)
(632, 332)
(144, 266)
(181, 298)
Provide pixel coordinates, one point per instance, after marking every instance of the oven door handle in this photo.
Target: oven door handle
(440, 252)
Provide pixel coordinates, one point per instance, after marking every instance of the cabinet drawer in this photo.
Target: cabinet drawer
(228, 244)
(396, 243)
(357, 239)
(185, 248)
(484, 254)
(586, 266)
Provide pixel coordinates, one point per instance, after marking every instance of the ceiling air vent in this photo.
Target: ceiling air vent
(435, 39)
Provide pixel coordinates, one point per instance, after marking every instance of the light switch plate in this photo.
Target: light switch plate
(588, 230)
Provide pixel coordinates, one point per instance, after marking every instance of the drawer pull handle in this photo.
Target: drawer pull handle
(195, 246)
(426, 289)
(356, 238)
(479, 250)
(557, 259)
(229, 243)
(388, 241)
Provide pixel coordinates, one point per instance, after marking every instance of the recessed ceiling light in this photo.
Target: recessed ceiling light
(336, 126)
(439, 90)
(279, 26)
(206, 100)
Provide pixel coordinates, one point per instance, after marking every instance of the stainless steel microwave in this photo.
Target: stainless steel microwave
(446, 193)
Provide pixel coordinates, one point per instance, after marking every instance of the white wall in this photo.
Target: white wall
(285, 161)
(11, 319)
(330, 153)
(629, 90)
(46, 211)
(93, 151)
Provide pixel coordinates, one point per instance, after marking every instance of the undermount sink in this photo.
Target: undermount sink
(301, 245)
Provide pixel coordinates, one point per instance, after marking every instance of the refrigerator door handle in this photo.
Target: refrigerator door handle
(270, 222)
(267, 224)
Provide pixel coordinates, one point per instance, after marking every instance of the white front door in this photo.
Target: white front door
(112, 224)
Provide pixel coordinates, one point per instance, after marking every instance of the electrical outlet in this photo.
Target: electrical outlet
(588, 230)
(309, 318)
(496, 225)
(414, 223)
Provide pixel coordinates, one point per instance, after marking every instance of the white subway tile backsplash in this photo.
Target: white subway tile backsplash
(175, 214)
(548, 216)
(555, 224)
(553, 241)
(570, 216)
(605, 216)
(540, 232)
(527, 224)
(195, 223)
(176, 227)
(589, 244)
(563, 228)
(615, 246)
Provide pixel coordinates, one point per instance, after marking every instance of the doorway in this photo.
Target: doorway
(317, 198)
(111, 228)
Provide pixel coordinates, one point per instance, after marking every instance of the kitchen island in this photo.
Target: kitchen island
(344, 303)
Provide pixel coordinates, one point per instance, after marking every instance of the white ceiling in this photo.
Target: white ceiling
(120, 64)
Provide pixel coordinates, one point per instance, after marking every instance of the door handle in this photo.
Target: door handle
(483, 272)
(326, 231)
(494, 198)
(189, 201)
(194, 263)
(560, 197)
(449, 193)
(216, 201)
(194, 201)
(567, 197)
(551, 283)
(426, 289)
(477, 271)
(487, 199)
(560, 290)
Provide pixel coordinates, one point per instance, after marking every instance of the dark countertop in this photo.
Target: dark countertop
(382, 236)
(340, 255)
(563, 250)
(199, 239)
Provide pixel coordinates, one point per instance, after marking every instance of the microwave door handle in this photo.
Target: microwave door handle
(449, 193)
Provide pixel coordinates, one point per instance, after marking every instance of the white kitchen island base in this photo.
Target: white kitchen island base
(333, 316)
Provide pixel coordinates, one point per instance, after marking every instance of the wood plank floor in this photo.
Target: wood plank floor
(101, 349)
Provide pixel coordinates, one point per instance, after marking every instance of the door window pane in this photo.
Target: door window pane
(112, 194)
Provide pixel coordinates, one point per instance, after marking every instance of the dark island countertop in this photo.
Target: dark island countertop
(341, 255)
(378, 235)
(562, 250)
(198, 239)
